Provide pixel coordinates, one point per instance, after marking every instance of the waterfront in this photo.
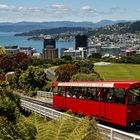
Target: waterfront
(8, 38)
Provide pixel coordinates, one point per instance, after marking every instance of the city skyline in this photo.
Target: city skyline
(68, 10)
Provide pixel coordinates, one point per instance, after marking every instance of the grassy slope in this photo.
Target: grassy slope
(119, 72)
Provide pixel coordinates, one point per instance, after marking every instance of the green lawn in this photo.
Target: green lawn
(119, 72)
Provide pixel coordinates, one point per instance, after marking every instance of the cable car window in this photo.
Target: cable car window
(120, 95)
(134, 96)
(110, 95)
(69, 92)
(92, 93)
(55, 91)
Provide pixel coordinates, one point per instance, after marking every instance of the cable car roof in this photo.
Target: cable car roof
(105, 84)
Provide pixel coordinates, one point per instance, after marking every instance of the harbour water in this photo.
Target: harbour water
(8, 38)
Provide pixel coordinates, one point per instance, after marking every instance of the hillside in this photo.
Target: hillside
(135, 27)
(119, 72)
(51, 31)
(118, 28)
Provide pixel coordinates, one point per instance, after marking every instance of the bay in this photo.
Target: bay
(8, 38)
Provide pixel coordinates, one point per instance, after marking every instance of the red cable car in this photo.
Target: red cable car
(116, 102)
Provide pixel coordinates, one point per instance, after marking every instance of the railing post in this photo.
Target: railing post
(111, 135)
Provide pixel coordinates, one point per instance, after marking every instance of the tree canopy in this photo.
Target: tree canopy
(12, 125)
(33, 78)
(64, 72)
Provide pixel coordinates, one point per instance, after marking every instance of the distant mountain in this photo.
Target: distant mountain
(105, 22)
(28, 26)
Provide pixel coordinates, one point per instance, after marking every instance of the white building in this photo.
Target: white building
(79, 53)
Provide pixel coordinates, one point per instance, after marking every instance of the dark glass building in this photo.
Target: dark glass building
(49, 43)
(49, 51)
(81, 41)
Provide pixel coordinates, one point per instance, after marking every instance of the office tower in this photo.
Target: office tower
(49, 51)
(49, 42)
(81, 41)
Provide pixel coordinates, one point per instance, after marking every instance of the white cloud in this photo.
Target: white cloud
(86, 8)
(4, 7)
(59, 6)
(30, 9)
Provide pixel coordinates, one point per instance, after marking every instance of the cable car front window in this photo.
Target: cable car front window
(58, 91)
(134, 96)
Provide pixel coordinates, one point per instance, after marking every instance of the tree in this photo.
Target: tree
(14, 82)
(67, 58)
(58, 61)
(22, 130)
(95, 55)
(84, 66)
(22, 60)
(32, 78)
(9, 104)
(12, 125)
(7, 64)
(65, 72)
(2, 51)
(2, 77)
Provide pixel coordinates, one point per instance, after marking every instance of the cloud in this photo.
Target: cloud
(4, 7)
(58, 6)
(30, 9)
(86, 8)
(86, 12)
(53, 12)
(58, 11)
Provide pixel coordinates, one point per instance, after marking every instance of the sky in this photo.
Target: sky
(68, 10)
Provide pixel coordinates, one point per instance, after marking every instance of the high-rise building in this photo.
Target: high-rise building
(81, 41)
(49, 51)
(49, 42)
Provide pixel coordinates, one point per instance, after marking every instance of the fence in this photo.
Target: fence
(44, 94)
